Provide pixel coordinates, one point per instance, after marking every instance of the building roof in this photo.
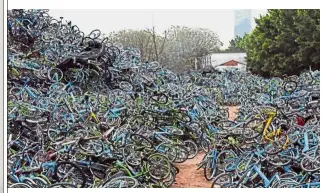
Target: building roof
(231, 63)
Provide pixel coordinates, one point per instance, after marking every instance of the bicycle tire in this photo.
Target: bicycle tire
(192, 148)
(63, 184)
(112, 183)
(258, 131)
(168, 150)
(217, 180)
(19, 185)
(96, 143)
(182, 154)
(79, 172)
(315, 161)
(170, 179)
(156, 165)
(58, 72)
(141, 140)
(213, 170)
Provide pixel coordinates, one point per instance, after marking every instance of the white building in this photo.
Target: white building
(222, 61)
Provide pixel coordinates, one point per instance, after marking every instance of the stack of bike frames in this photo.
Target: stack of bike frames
(83, 112)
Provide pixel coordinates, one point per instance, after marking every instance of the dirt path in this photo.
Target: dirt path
(189, 176)
(232, 112)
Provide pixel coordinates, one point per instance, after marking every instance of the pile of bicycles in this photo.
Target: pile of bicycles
(83, 112)
(275, 140)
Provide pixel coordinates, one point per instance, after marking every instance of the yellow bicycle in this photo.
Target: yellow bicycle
(262, 131)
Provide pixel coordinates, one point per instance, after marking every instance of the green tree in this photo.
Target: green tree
(234, 45)
(284, 42)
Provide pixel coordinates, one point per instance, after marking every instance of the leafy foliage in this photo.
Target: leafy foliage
(285, 41)
(233, 45)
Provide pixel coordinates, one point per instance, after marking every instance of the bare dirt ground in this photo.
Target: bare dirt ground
(189, 176)
(232, 112)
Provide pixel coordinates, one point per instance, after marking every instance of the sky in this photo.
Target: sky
(220, 21)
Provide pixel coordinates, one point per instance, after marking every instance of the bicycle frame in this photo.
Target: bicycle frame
(114, 113)
(306, 147)
(30, 93)
(239, 159)
(213, 156)
(267, 182)
(130, 171)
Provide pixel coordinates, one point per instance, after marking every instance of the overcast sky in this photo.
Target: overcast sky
(220, 21)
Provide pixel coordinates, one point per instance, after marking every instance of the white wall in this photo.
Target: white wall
(241, 67)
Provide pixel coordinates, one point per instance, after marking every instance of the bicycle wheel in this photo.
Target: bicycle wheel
(168, 150)
(20, 185)
(94, 146)
(224, 159)
(195, 128)
(309, 164)
(221, 181)
(183, 117)
(92, 76)
(131, 156)
(205, 145)
(289, 184)
(75, 90)
(40, 183)
(94, 34)
(121, 182)
(210, 168)
(17, 93)
(126, 86)
(74, 75)
(69, 172)
(226, 125)
(170, 179)
(253, 128)
(173, 130)
(62, 185)
(281, 159)
(182, 154)
(55, 75)
(290, 86)
(30, 182)
(55, 135)
(158, 166)
(192, 148)
(273, 147)
(140, 140)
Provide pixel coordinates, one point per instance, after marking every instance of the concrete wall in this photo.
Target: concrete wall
(241, 67)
